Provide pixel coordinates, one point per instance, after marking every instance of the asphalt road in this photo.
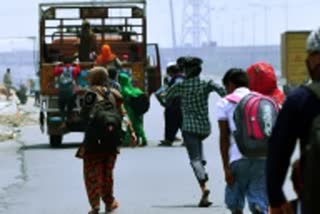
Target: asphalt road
(36, 179)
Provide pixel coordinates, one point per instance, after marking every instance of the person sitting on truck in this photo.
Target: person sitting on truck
(87, 47)
(66, 74)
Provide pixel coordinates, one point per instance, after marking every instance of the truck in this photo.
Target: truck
(122, 24)
(293, 56)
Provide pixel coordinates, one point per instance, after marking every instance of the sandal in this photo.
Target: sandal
(165, 143)
(204, 202)
(114, 205)
(94, 211)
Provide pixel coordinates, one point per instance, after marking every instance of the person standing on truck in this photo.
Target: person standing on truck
(194, 93)
(66, 75)
(7, 81)
(87, 47)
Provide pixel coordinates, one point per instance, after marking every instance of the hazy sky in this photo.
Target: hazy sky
(237, 22)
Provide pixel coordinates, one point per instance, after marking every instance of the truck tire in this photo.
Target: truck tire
(55, 140)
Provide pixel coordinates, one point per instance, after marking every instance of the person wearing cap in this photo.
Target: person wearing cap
(194, 93)
(293, 124)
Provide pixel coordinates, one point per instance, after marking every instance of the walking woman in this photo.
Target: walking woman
(98, 164)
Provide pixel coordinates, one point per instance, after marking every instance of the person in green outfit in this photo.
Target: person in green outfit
(128, 91)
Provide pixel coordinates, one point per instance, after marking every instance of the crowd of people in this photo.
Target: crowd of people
(258, 127)
(252, 174)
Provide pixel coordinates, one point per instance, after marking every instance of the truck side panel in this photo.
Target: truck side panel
(293, 57)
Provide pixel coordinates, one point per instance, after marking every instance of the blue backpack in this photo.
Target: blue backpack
(65, 79)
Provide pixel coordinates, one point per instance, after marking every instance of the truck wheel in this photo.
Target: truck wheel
(55, 140)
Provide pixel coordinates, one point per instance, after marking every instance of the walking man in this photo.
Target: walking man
(245, 177)
(294, 123)
(194, 94)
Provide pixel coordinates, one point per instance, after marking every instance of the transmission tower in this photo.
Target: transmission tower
(196, 24)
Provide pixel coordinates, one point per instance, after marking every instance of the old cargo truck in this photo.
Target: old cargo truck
(122, 24)
(293, 56)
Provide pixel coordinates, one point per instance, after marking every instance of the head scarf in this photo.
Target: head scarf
(127, 89)
(262, 79)
(106, 55)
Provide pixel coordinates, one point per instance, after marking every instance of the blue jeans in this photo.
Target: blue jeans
(195, 151)
(250, 183)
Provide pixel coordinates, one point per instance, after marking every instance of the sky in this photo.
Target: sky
(235, 23)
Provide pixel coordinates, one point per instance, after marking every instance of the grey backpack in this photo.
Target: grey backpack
(254, 118)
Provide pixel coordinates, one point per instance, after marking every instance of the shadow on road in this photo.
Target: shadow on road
(182, 206)
(47, 146)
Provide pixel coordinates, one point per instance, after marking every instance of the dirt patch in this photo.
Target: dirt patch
(19, 119)
(10, 124)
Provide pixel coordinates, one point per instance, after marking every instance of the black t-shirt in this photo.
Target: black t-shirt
(293, 124)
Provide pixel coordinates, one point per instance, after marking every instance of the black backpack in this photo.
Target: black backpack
(103, 130)
(311, 172)
(140, 104)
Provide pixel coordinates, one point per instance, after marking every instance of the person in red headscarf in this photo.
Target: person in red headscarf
(262, 79)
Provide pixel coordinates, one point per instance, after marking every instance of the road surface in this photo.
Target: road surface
(37, 179)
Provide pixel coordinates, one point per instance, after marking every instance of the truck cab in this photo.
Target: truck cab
(120, 24)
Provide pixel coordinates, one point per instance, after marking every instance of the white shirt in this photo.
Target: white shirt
(225, 110)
